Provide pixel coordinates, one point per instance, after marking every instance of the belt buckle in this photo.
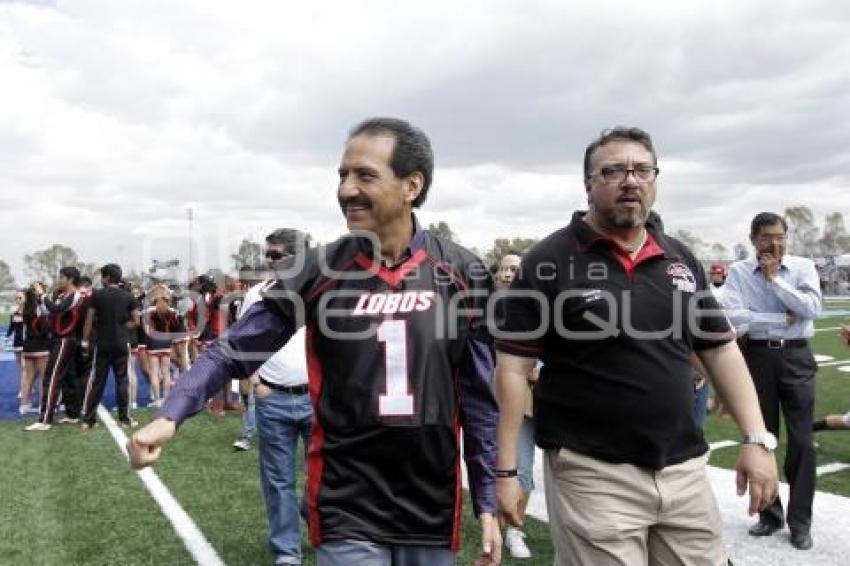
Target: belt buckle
(775, 343)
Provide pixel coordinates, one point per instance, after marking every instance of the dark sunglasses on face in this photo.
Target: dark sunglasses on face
(275, 255)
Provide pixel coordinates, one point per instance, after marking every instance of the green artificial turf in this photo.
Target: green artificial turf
(69, 498)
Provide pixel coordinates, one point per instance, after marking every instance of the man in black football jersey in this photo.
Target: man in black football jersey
(116, 313)
(399, 360)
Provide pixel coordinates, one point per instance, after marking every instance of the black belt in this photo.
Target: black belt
(779, 343)
(292, 390)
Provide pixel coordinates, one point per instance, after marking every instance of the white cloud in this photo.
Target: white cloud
(117, 116)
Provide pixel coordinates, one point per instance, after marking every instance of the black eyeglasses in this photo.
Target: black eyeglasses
(274, 255)
(644, 172)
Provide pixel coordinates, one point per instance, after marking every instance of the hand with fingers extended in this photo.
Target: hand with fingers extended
(756, 473)
(145, 447)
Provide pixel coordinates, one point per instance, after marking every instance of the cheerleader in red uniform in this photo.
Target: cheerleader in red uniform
(16, 330)
(163, 328)
(35, 348)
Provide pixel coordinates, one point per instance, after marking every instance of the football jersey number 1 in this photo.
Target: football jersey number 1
(397, 401)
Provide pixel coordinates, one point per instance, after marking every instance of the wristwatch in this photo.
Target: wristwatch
(765, 439)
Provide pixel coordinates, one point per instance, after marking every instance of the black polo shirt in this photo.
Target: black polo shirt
(615, 340)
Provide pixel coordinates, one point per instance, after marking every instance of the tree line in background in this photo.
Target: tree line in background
(805, 238)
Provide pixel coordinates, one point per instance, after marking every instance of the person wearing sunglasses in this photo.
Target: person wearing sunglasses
(278, 407)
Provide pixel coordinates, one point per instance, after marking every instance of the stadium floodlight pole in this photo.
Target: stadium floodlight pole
(190, 215)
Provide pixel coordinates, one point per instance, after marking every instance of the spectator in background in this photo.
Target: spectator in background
(181, 354)
(164, 330)
(36, 346)
(139, 357)
(836, 421)
(82, 361)
(114, 312)
(717, 276)
(249, 278)
(65, 319)
(283, 415)
(772, 299)
(16, 329)
(515, 537)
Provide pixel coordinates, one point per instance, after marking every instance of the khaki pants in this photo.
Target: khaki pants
(606, 514)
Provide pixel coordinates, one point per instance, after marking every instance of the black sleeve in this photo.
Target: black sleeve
(520, 319)
(62, 306)
(480, 283)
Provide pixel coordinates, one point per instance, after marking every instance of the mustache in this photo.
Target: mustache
(629, 196)
(355, 201)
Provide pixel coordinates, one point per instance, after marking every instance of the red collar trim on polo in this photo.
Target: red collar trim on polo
(649, 250)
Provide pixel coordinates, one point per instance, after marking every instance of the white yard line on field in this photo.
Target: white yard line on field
(194, 540)
(830, 525)
(832, 468)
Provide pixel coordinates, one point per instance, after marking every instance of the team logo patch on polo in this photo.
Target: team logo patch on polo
(682, 277)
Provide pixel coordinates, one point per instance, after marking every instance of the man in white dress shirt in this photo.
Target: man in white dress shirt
(283, 414)
(773, 299)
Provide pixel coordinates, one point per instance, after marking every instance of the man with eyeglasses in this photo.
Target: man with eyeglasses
(773, 298)
(615, 308)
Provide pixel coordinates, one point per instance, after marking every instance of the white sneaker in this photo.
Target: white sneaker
(24, 409)
(242, 444)
(38, 427)
(515, 542)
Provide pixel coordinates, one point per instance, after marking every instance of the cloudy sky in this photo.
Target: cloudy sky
(115, 117)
